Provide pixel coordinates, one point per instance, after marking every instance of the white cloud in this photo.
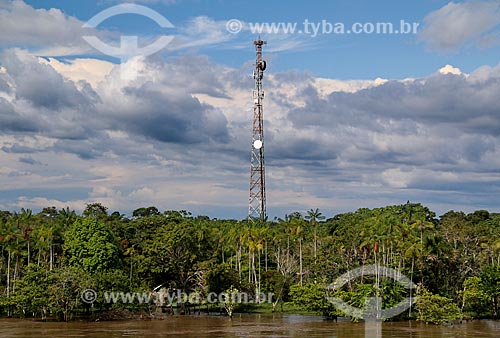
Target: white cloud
(448, 69)
(36, 202)
(331, 144)
(51, 32)
(92, 71)
(201, 31)
(457, 24)
(328, 86)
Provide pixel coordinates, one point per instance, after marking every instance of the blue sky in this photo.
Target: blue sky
(345, 57)
(352, 120)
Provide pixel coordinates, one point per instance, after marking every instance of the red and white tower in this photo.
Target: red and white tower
(257, 201)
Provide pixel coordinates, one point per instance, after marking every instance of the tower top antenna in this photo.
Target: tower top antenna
(259, 42)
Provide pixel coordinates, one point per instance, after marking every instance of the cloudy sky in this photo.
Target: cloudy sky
(351, 120)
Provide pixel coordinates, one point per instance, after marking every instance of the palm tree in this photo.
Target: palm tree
(421, 227)
(7, 236)
(313, 216)
(24, 220)
(295, 230)
(45, 239)
(255, 242)
(66, 216)
(11, 238)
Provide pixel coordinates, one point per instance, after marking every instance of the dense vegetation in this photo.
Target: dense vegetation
(48, 259)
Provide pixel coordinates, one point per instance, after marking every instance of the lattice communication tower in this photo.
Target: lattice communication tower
(257, 201)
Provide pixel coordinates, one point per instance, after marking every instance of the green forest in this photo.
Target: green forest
(48, 259)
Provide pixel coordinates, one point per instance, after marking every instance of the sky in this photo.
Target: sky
(354, 117)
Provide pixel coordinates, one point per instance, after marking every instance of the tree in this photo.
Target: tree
(5, 215)
(43, 236)
(312, 297)
(475, 300)
(175, 253)
(220, 277)
(490, 278)
(25, 219)
(278, 284)
(66, 216)
(175, 256)
(65, 290)
(458, 256)
(434, 308)
(230, 300)
(49, 211)
(32, 296)
(12, 239)
(95, 210)
(313, 216)
(91, 245)
(145, 212)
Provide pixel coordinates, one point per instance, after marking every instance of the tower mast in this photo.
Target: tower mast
(257, 201)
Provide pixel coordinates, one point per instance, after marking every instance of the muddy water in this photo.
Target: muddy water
(241, 326)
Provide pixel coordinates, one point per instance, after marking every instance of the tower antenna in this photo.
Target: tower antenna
(257, 201)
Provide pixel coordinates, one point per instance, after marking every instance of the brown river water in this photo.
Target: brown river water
(240, 326)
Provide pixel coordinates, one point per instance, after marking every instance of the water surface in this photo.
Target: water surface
(240, 326)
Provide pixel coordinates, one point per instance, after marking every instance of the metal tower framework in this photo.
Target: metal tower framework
(257, 201)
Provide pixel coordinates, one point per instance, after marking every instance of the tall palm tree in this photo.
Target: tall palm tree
(313, 216)
(13, 243)
(67, 216)
(44, 235)
(7, 237)
(295, 231)
(24, 219)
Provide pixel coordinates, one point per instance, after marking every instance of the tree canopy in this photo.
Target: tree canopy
(47, 258)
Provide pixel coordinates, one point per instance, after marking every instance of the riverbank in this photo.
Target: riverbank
(242, 309)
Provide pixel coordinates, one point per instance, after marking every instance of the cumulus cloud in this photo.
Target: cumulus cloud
(438, 133)
(448, 98)
(448, 69)
(178, 136)
(159, 104)
(457, 24)
(40, 84)
(162, 109)
(10, 120)
(79, 70)
(42, 100)
(40, 29)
